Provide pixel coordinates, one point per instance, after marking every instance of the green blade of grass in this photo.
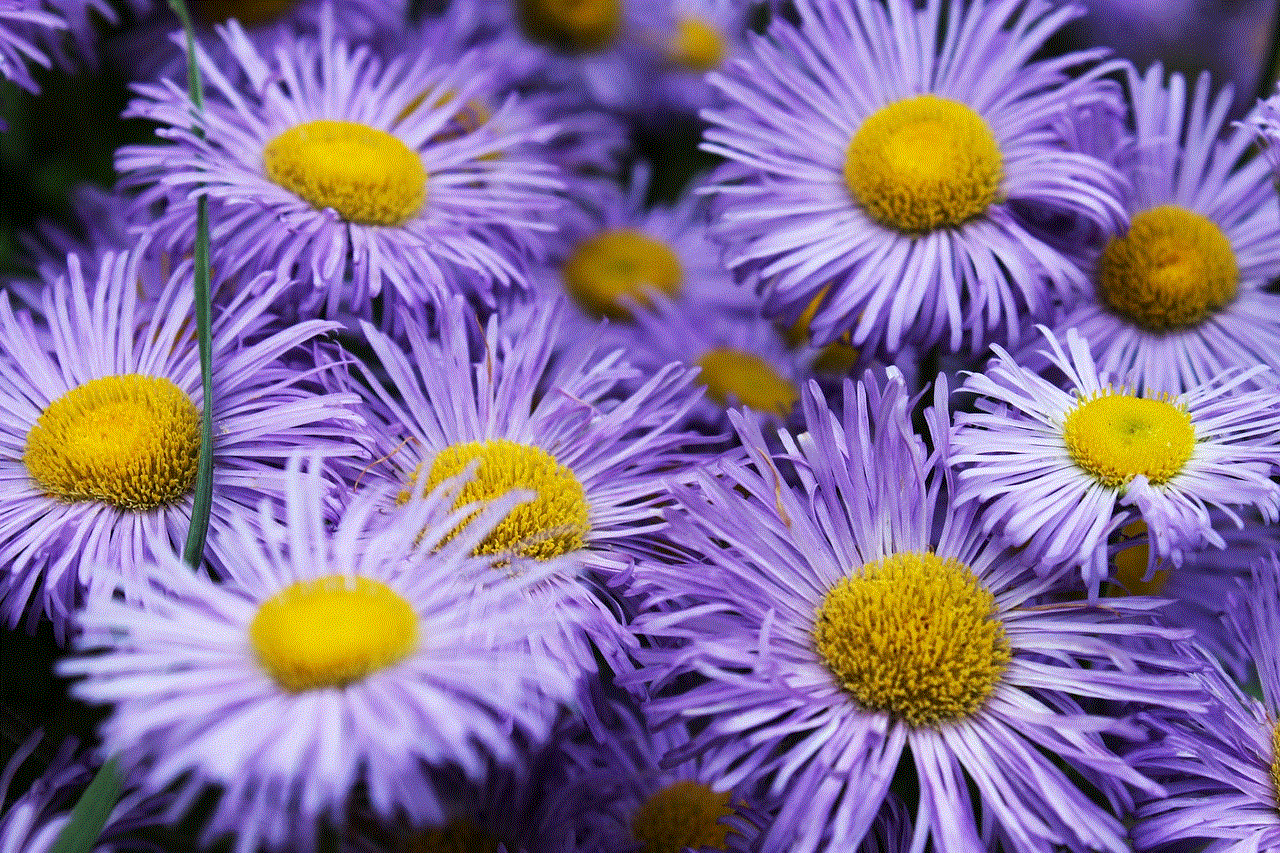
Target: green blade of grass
(91, 812)
(193, 549)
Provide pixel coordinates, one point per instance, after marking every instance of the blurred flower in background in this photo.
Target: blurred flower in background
(1228, 38)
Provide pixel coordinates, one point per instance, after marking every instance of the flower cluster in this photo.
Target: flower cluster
(905, 480)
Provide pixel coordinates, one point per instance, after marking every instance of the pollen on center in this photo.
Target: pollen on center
(1172, 269)
(924, 163)
(129, 441)
(731, 375)
(332, 631)
(571, 26)
(1116, 436)
(555, 522)
(683, 815)
(697, 45)
(610, 269)
(914, 635)
(366, 175)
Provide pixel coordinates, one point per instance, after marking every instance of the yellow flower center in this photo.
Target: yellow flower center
(553, 523)
(251, 13)
(682, 815)
(616, 264)
(1170, 270)
(697, 45)
(572, 26)
(924, 163)
(367, 175)
(130, 441)
(914, 635)
(332, 631)
(1115, 437)
(1131, 566)
(733, 375)
(461, 836)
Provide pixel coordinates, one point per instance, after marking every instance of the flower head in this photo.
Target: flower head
(102, 426)
(843, 614)
(370, 653)
(1062, 469)
(886, 154)
(1180, 294)
(1221, 769)
(568, 427)
(366, 177)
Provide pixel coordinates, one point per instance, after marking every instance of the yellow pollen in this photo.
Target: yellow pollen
(251, 13)
(553, 523)
(461, 836)
(332, 631)
(616, 264)
(682, 815)
(697, 45)
(1115, 437)
(572, 26)
(732, 375)
(924, 163)
(367, 175)
(129, 441)
(1131, 566)
(1172, 269)
(913, 635)
(1275, 764)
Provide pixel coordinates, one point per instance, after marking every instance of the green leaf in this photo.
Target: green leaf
(91, 812)
(193, 548)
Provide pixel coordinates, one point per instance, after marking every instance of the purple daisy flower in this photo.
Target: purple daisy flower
(742, 359)
(613, 249)
(22, 23)
(365, 654)
(1221, 768)
(886, 153)
(101, 429)
(706, 34)
(847, 614)
(1197, 591)
(623, 795)
(32, 821)
(1181, 295)
(586, 141)
(599, 51)
(564, 427)
(359, 177)
(1060, 471)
